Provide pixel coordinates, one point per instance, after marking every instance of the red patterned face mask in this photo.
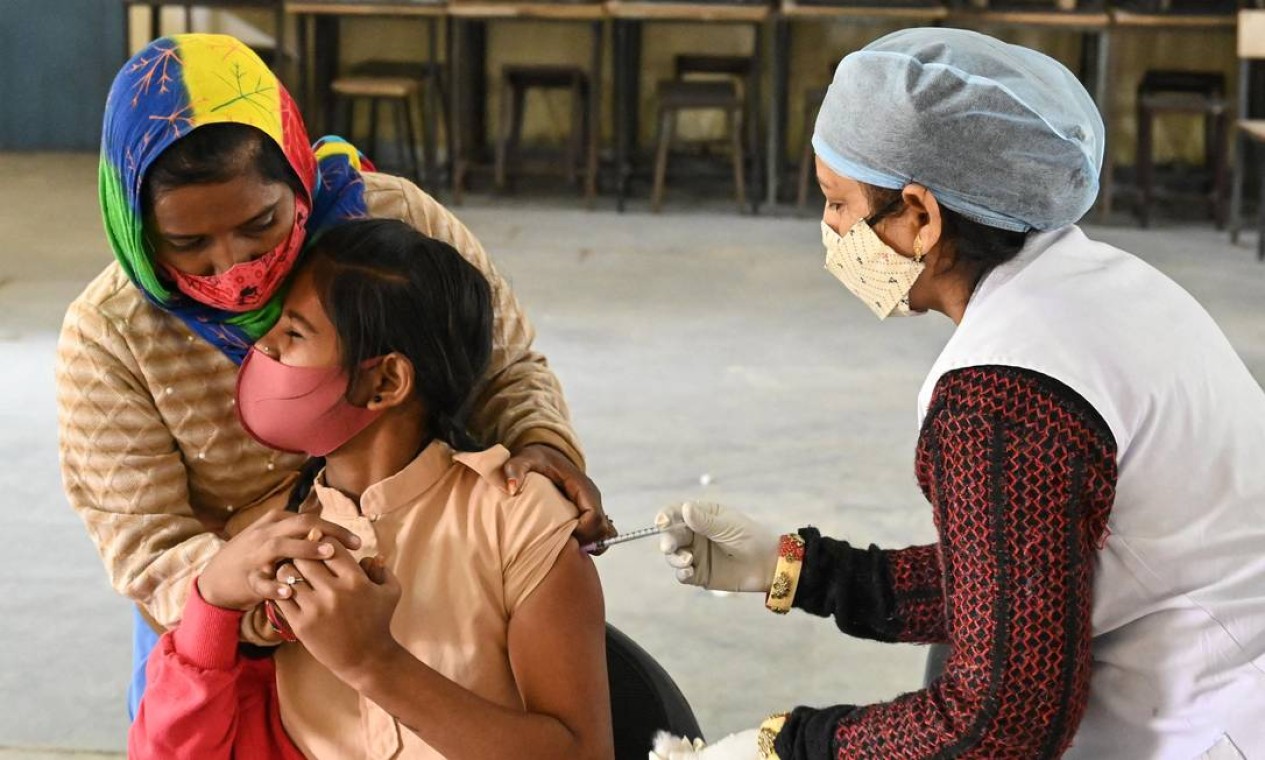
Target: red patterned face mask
(247, 286)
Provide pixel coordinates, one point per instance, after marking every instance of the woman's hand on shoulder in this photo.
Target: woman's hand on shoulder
(594, 525)
(242, 573)
(341, 611)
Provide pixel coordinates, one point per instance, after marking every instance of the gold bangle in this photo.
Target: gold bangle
(790, 560)
(769, 729)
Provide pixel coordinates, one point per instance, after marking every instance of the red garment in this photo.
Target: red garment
(1021, 475)
(204, 700)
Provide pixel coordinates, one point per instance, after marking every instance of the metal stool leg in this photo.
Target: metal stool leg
(507, 130)
(373, 127)
(408, 138)
(346, 108)
(429, 132)
(1220, 169)
(806, 168)
(516, 125)
(1236, 189)
(1143, 166)
(1260, 211)
(574, 144)
(667, 125)
(735, 118)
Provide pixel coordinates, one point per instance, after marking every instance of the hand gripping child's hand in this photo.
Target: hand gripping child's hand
(341, 610)
(718, 548)
(240, 575)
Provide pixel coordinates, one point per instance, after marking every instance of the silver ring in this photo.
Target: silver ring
(292, 580)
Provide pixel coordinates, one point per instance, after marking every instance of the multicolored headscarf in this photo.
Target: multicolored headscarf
(172, 87)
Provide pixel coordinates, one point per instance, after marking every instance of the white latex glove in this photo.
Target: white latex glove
(740, 746)
(718, 548)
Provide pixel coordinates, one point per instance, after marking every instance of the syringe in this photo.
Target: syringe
(631, 535)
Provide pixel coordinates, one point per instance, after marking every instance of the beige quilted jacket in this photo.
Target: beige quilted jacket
(154, 459)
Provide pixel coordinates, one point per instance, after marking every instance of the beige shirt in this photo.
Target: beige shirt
(467, 555)
(154, 459)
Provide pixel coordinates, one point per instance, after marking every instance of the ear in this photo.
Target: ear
(926, 222)
(392, 384)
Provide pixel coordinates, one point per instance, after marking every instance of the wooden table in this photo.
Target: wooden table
(155, 23)
(629, 18)
(318, 24)
(1073, 20)
(783, 26)
(469, 74)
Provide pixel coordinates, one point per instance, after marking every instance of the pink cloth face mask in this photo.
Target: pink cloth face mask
(303, 410)
(247, 286)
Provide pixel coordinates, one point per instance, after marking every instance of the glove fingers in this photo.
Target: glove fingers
(676, 539)
(668, 516)
(686, 575)
(728, 529)
(701, 517)
(681, 560)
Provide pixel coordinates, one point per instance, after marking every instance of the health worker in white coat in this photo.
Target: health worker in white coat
(1092, 448)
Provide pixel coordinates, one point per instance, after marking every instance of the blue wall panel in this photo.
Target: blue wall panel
(57, 59)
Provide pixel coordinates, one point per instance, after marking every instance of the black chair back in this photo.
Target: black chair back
(644, 698)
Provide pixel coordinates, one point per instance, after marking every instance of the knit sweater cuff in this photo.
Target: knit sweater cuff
(852, 585)
(815, 576)
(207, 636)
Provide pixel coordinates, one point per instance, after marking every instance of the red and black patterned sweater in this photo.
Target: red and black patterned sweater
(1021, 474)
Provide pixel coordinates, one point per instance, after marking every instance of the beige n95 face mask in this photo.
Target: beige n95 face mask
(868, 267)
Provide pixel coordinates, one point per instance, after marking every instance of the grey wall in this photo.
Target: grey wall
(57, 59)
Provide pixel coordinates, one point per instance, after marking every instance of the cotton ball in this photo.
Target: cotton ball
(705, 479)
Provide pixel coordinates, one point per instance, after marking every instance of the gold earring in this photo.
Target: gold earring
(918, 253)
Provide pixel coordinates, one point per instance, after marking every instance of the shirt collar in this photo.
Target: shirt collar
(401, 489)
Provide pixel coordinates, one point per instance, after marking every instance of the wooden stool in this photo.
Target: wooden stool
(807, 166)
(400, 84)
(1184, 92)
(676, 96)
(516, 81)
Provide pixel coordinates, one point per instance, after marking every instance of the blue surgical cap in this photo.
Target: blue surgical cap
(1001, 134)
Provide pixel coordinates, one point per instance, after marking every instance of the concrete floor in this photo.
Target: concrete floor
(689, 344)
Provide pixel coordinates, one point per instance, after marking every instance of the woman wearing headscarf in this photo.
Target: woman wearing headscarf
(209, 190)
(1090, 445)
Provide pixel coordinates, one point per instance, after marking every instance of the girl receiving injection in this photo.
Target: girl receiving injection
(466, 622)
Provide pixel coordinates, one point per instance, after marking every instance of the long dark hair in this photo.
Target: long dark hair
(387, 288)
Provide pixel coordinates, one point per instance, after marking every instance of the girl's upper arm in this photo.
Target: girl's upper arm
(557, 648)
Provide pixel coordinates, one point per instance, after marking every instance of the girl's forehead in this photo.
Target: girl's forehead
(303, 300)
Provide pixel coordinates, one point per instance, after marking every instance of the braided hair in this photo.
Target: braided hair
(387, 288)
